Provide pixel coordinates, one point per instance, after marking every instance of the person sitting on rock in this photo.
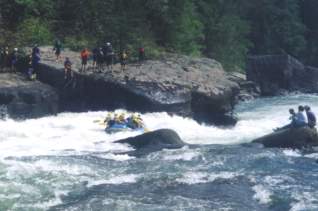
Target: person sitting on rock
(301, 117)
(311, 117)
(292, 118)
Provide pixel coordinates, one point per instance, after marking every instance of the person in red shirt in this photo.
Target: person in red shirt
(84, 56)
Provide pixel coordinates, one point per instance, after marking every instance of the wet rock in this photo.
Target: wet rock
(21, 98)
(296, 138)
(248, 89)
(155, 141)
(278, 74)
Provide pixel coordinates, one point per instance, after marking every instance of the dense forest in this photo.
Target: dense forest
(226, 30)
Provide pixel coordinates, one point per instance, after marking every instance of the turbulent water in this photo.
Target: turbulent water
(67, 162)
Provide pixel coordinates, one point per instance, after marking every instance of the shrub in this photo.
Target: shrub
(33, 30)
(78, 43)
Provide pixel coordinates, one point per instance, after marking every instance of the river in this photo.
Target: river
(67, 162)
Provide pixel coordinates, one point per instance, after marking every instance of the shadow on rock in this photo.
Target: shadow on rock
(296, 138)
(154, 141)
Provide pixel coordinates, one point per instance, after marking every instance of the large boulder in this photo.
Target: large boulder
(21, 98)
(277, 74)
(154, 141)
(296, 138)
(197, 87)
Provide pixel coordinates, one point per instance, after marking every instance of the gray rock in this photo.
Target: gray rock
(26, 99)
(296, 138)
(197, 87)
(154, 141)
(278, 74)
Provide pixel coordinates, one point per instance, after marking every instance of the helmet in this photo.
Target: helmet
(108, 43)
(15, 49)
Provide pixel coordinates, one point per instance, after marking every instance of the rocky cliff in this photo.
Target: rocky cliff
(278, 74)
(20, 98)
(197, 87)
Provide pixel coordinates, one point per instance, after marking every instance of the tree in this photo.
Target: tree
(225, 32)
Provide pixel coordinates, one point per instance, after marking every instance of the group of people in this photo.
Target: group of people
(9, 59)
(105, 56)
(134, 121)
(303, 118)
(101, 56)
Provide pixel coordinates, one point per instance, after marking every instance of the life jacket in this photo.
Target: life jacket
(124, 56)
(141, 50)
(84, 54)
(68, 65)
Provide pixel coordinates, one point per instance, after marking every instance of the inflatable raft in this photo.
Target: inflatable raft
(116, 127)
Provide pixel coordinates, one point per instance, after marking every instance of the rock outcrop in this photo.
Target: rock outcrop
(278, 74)
(20, 98)
(197, 87)
(296, 138)
(248, 89)
(154, 141)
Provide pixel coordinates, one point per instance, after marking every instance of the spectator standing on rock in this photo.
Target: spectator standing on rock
(1, 56)
(84, 56)
(68, 72)
(35, 50)
(36, 58)
(108, 54)
(123, 60)
(100, 59)
(141, 54)
(95, 55)
(14, 60)
(311, 117)
(5, 61)
(57, 48)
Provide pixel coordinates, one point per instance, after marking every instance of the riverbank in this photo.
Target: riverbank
(192, 87)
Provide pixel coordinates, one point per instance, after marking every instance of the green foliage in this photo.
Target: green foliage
(224, 30)
(32, 31)
(185, 28)
(225, 33)
(78, 43)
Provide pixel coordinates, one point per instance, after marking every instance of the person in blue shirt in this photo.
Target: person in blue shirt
(301, 117)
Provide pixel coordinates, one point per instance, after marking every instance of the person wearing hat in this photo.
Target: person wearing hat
(311, 117)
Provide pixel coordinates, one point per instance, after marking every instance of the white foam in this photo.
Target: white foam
(182, 154)
(305, 201)
(262, 195)
(292, 153)
(203, 177)
(111, 156)
(116, 179)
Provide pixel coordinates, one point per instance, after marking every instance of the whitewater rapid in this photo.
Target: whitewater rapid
(77, 133)
(45, 161)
